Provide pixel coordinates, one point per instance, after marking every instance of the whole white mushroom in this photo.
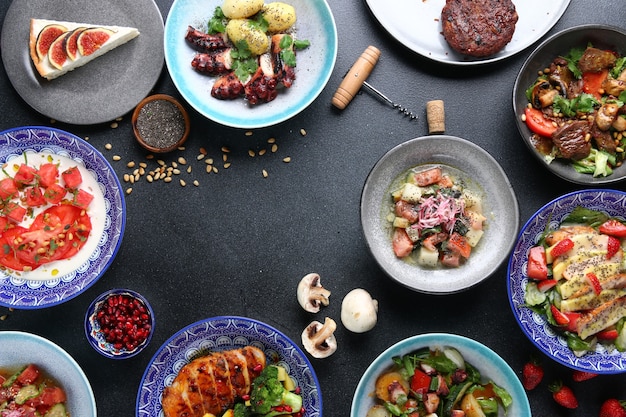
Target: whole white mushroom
(359, 311)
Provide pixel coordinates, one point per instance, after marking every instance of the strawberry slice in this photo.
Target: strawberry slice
(595, 282)
(613, 246)
(562, 247)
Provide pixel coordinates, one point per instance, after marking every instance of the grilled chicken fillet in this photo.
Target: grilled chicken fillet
(211, 384)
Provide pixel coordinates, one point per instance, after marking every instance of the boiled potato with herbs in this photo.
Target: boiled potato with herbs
(239, 30)
(240, 9)
(279, 16)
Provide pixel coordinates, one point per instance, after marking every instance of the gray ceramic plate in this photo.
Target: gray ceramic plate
(560, 44)
(106, 88)
(499, 206)
(19, 349)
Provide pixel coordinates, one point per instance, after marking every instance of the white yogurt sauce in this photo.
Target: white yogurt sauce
(96, 212)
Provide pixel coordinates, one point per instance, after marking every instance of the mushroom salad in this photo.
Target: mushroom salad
(576, 110)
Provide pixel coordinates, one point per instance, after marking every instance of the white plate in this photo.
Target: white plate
(19, 349)
(314, 65)
(224, 333)
(499, 207)
(44, 288)
(489, 364)
(102, 90)
(417, 25)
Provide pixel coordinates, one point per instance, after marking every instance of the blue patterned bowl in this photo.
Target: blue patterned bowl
(96, 337)
(224, 333)
(40, 288)
(534, 326)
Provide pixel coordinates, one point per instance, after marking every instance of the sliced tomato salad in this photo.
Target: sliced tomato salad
(54, 205)
(28, 393)
(436, 217)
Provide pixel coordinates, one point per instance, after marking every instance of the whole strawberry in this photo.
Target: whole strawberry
(613, 408)
(563, 395)
(580, 376)
(532, 374)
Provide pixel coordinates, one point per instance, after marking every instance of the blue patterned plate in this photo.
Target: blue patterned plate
(536, 328)
(489, 364)
(224, 333)
(44, 287)
(315, 65)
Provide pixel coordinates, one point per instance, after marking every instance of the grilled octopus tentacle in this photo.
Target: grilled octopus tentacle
(227, 87)
(261, 88)
(205, 42)
(212, 63)
(286, 74)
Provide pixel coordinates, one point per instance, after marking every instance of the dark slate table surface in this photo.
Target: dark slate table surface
(238, 243)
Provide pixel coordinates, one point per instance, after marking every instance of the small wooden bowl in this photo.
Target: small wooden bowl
(157, 127)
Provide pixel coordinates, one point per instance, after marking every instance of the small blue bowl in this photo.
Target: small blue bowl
(95, 334)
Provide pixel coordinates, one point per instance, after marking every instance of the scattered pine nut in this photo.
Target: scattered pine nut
(227, 165)
(167, 179)
(249, 133)
(196, 183)
(262, 151)
(131, 164)
(225, 149)
(209, 169)
(271, 140)
(108, 146)
(182, 182)
(116, 157)
(129, 190)
(274, 148)
(200, 157)
(303, 132)
(287, 159)
(182, 160)
(251, 153)
(114, 125)
(265, 174)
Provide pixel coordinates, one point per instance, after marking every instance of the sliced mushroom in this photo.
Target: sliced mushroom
(606, 115)
(311, 294)
(319, 340)
(543, 94)
(359, 311)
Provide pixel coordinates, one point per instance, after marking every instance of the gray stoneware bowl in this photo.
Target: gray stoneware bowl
(499, 207)
(601, 36)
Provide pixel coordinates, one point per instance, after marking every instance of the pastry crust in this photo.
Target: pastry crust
(120, 35)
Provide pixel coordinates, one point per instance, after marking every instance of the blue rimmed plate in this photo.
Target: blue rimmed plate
(534, 326)
(224, 333)
(315, 65)
(51, 285)
(490, 365)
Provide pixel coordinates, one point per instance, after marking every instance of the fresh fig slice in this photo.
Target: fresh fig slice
(45, 38)
(90, 40)
(56, 53)
(71, 44)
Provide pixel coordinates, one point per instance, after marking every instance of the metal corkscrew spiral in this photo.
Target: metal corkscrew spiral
(355, 78)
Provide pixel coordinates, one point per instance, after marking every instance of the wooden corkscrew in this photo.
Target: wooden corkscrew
(356, 78)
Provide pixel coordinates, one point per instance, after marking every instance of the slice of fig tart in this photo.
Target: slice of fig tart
(57, 47)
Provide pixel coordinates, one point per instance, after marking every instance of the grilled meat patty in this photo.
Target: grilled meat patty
(211, 384)
(478, 28)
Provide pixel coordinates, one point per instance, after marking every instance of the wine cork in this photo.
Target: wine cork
(435, 114)
(355, 77)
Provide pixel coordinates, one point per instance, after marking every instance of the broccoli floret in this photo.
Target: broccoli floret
(268, 396)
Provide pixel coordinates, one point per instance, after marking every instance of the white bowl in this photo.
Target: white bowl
(489, 364)
(535, 326)
(315, 64)
(499, 206)
(20, 349)
(561, 43)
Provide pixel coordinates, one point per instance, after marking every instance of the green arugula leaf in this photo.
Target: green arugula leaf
(620, 65)
(301, 44)
(584, 103)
